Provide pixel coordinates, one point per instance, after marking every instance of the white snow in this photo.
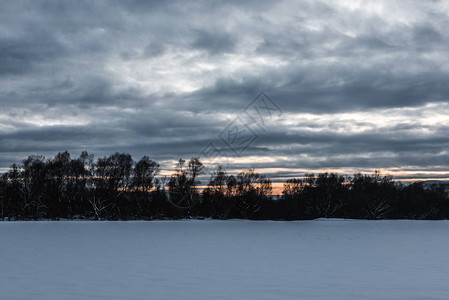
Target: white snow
(322, 259)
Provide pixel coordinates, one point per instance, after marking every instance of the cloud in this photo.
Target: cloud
(361, 86)
(214, 42)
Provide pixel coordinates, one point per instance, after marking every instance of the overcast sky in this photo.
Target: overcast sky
(359, 85)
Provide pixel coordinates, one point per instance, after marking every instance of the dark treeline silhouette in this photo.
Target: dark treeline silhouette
(116, 187)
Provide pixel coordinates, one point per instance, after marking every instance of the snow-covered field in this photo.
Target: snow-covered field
(322, 259)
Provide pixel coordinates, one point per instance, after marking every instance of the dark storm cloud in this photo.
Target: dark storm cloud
(17, 55)
(164, 78)
(214, 42)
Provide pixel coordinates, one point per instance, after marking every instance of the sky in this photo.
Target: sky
(300, 86)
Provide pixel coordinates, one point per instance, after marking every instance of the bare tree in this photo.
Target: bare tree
(252, 188)
(378, 209)
(112, 178)
(27, 182)
(183, 183)
(144, 173)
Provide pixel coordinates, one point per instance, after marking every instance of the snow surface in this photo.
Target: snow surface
(322, 259)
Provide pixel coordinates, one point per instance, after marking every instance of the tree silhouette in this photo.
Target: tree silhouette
(116, 187)
(183, 183)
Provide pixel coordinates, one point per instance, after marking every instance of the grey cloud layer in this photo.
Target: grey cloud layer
(164, 78)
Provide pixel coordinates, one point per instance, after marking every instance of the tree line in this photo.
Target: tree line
(118, 188)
